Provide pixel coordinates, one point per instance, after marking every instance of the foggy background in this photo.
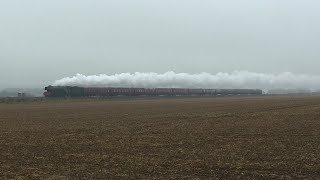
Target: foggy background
(43, 41)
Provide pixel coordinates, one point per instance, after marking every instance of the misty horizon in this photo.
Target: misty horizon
(44, 41)
(173, 79)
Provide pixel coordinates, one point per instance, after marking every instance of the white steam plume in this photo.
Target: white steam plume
(236, 79)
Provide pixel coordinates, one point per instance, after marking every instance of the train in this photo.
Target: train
(76, 91)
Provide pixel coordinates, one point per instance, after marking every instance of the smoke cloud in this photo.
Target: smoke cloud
(236, 79)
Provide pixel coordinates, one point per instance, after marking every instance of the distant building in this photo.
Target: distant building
(21, 94)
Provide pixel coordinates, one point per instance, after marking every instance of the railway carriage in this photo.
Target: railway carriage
(75, 91)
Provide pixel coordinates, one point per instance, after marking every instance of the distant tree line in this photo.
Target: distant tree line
(292, 91)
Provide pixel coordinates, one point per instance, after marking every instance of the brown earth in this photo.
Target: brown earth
(184, 138)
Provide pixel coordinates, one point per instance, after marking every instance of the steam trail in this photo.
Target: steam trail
(236, 79)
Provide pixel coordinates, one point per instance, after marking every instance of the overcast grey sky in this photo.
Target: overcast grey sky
(42, 41)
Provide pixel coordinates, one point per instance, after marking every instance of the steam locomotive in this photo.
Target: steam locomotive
(76, 91)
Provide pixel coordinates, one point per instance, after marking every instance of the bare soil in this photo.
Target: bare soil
(184, 138)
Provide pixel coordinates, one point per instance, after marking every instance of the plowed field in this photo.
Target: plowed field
(182, 138)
